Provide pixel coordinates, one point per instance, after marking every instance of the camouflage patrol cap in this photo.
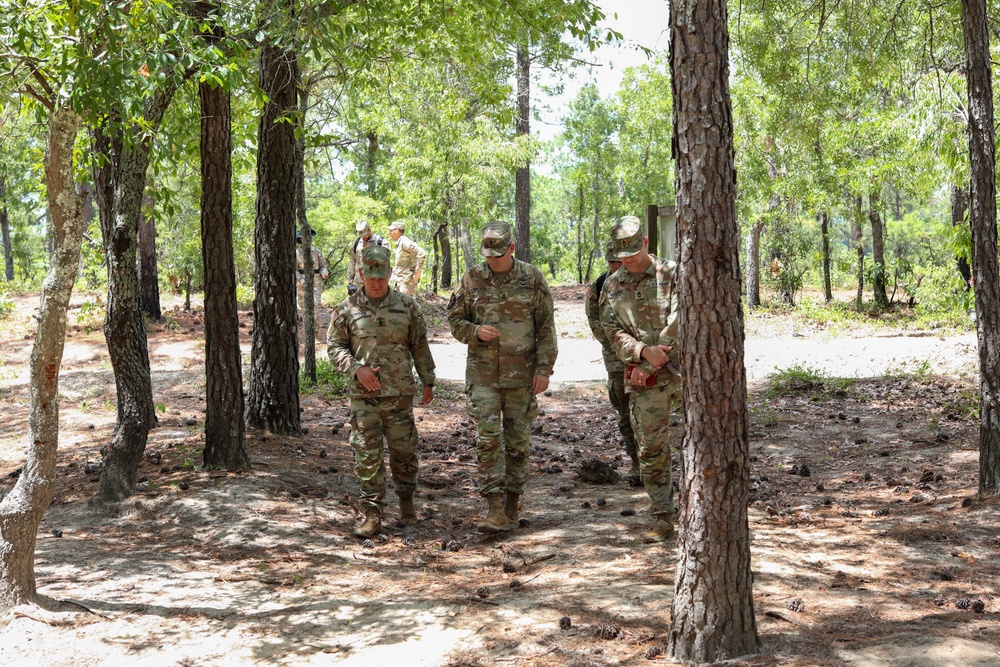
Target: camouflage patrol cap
(361, 226)
(609, 252)
(399, 224)
(627, 235)
(496, 239)
(375, 262)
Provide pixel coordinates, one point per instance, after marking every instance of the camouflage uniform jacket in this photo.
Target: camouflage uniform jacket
(518, 303)
(409, 257)
(391, 336)
(354, 253)
(319, 261)
(611, 361)
(637, 311)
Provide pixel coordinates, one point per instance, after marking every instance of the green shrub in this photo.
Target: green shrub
(330, 383)
(6, 303)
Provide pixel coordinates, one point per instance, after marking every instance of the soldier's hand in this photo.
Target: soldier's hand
(428, 396)
(416, 276)
(656, 355)
(539, 384)
(638, 377)
(368, 377)
(487, 332)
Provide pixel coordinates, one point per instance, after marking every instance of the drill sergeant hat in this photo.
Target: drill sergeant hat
(496, 239)
(375, 262)
(627, 235)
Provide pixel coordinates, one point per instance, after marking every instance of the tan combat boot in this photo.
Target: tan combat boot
(372, 525)
(511, 506)
(496, 520)
(407, 514)
(660, 531)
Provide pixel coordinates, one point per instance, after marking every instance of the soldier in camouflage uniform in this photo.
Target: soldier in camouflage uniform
(612, 364)
(503, 311)
(365, 239)
(409, 259)
(319, 267)
(639, 314)
(376, 337)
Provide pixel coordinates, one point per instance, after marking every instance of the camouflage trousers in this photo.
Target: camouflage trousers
(317, 291)
(405, 283)
(619, 401)
(373, 419)
(650, 412)
(503, 420)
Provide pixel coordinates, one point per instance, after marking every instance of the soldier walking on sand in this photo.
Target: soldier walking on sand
(639, 314)
(612, 364)
(376, 337)
(503, 311)
(410, 259)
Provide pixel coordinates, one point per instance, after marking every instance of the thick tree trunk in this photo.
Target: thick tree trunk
(858, 239)
(273, 401)
(442, 249)
(753, 265)
(959, 205)
(309, 278)
(149, 278)
(878, 250)
(225, 438)
(8, 250)
(983, 206)
(824, 227)
(712, 610)
(22, 509)
(522, 179)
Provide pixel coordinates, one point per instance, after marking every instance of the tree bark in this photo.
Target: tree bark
(858, 239)
(273, 401)
(309, 278)
(579, 236)
(712, 610)
(8, 250)
(753, 265)
(824, 227)
(983, 216)
(442, 246)
(959, 205)
(22, 509)
(225, 438)
(522, 179)
(878, 250)
(149, 279)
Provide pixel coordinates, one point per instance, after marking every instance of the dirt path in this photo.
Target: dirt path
(866, 528)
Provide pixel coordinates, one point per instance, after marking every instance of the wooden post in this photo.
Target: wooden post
(668, 232)
(653, 227)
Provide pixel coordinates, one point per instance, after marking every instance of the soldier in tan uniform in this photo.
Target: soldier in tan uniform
(503, 311)
(612, 364)
(319, 268)
(639, 314)
(365, 239)
(410, 259)
(376, 336)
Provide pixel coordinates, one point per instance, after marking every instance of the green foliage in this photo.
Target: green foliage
(800, 379)
(330, 383)
(6, 303)
(942, 296)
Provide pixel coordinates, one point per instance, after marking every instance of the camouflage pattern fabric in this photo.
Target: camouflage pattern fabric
(620, 402)
(319, 268)
(650, 412)
(391, 335)
(503, 419)
(354, 257)
(518, 303)
(617, 393)
(410, 258)
(372, 421)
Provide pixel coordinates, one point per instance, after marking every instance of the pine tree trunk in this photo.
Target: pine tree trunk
(309, 277)
(273, 401)
(225, 438)
(443, 245)
(712, 610)
(8, 250)
(858, 239)
(22, 509)
(753, 265)
(149, 278)
(959, 205)
(824, 226)
(983, 216)
(522, 179)
(878, 251)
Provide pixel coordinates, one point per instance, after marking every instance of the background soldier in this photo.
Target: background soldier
(409, 259)
(318, 267)
(376, 336)
(639, 311)
(365, 239)
(503, 311)
(612, 364)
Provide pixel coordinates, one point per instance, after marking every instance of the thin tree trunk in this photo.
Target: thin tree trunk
(712, 615)
(149, 279)
(858, 239)
(22, 509)
(824, 226)
(8, 250)
(753, 265)
(983, 206)
(273, 401)
(522, 179)
(878, 250)
(309, 277)
(465, 240)
(225, 437)
(579, 237)
(959, 205)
